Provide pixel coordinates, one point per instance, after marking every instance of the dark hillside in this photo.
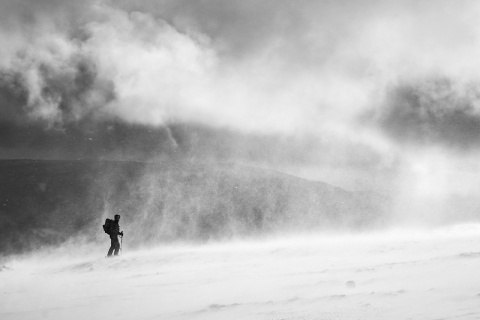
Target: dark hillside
(48, 202)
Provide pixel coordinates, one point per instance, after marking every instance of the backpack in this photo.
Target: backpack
(107, 227)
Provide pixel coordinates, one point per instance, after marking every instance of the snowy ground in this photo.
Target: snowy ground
(394, 275)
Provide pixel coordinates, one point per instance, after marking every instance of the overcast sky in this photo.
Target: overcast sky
(353, 92)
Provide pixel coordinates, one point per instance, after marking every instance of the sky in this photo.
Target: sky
(366, 95)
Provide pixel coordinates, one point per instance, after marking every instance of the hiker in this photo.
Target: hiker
(114, 232)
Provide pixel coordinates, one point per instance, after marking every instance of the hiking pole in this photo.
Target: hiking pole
(121, 243)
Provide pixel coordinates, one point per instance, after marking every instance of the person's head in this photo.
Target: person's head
(117, 217)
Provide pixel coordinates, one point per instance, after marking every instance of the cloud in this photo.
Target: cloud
(432, 112)
(282, 68)
(46, 73)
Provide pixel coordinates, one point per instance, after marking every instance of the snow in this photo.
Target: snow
(416, 274)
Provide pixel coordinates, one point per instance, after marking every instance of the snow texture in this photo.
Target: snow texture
(401, 274)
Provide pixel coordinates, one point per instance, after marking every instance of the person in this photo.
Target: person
(114, 233)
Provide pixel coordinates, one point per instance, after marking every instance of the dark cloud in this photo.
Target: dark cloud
(117, 140)
(432, 112)
(236, 27)
(60, 115)
(94, 140)
(68, 92)
(305, 32)
(28, 13)
(13, 96)
(215, 78)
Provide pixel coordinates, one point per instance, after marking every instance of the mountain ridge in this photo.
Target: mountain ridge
(47, 202)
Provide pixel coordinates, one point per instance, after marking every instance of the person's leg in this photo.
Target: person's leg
(112, 247)
(117, 247)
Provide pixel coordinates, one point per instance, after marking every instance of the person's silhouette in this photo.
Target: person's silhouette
(114, 233)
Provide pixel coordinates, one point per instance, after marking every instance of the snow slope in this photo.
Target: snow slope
(390, 275)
